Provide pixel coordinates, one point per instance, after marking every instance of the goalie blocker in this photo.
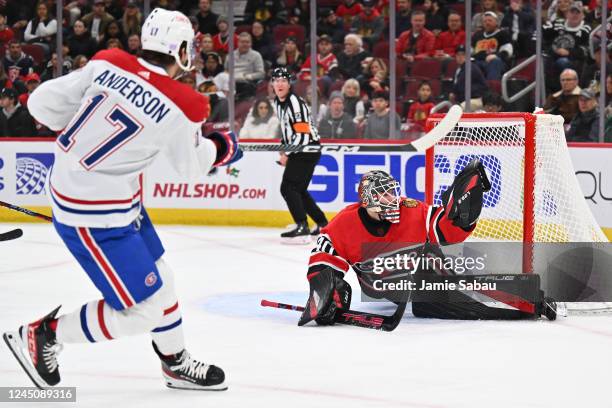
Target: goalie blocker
(382, 216)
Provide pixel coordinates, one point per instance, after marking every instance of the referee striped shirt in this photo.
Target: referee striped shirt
(296, 122)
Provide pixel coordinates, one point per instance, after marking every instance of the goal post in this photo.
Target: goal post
(535, 196)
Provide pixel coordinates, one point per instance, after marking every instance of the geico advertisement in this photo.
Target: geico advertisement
(254, 182)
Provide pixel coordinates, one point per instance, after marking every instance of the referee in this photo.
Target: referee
(297, 128)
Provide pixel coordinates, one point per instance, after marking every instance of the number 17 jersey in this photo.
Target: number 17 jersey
(116, 115)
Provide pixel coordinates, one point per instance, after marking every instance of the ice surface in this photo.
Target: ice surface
(223, 273)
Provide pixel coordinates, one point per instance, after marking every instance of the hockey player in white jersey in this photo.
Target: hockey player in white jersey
(116, 115)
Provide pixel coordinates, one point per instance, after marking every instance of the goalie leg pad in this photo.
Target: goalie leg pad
(329, 293)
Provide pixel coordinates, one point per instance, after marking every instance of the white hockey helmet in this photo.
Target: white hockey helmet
(165, 31)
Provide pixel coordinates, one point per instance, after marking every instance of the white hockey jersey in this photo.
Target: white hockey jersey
(116, 115)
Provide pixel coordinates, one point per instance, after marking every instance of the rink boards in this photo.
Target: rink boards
(248, 193)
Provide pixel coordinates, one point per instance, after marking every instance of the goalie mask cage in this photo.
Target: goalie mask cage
(535, 195)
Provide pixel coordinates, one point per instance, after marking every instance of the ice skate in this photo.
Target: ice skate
(183, 372)
(35, 347)
(299, 235)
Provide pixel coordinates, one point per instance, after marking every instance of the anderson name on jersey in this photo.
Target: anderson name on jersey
(116, 115)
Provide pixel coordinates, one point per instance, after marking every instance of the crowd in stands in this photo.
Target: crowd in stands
(352, 59)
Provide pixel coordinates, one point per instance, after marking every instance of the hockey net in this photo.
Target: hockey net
(535, 195)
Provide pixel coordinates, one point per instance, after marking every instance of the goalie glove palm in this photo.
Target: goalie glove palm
(329, 293)
(463, 200)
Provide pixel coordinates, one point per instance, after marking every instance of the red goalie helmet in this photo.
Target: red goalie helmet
(380, 192)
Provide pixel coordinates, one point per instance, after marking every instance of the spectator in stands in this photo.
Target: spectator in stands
(349, 60)
(114, 8)
(327, 64)
(436, 16)
(79, 62)
(41, 29)
(519, 21)
(402, 16)
(219, 106)
(485, 5)
(299, 14)
(16, 62)
(50, 68)
(113, 31)
(31, 82)
(221, 39)
(206, 44)
(269, 12)
(329, 24)
(113, 43)
(197, 39)
(133, 44)
(6, 33)
(15, 120)
(565, 102)
(418, 42)
(347, 11)
(207, 19)
(5, 82)
(448, 41)
(375, 76)
(492, 102)
(558, 9)
(353, 104)
(368, 24)
(593, 17)
(212, 66)
(97, 20)
(81, 42)
(378, 121)
(590, 76)
(568, 39)
(584, 127)
(248, 67)
(263, 42)
(337, 124)
(492, 48)
(261, 122)
(131, 21)
(188, 79)
(290, 56)
(420, 109)
(479, 84)
(321, 109)
(608, 89)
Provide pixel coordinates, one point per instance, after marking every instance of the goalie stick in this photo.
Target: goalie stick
(354, 318)
(419, 145)
(12, 234)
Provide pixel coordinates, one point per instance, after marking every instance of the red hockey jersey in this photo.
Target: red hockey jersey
(346, 242)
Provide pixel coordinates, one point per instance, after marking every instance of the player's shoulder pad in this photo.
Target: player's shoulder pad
(346, 217)
(190, 102)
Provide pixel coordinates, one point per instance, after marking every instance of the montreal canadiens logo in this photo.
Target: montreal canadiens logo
(151, 279)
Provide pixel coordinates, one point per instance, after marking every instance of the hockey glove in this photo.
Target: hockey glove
(228, 150)
(329, 293)
(463, 200)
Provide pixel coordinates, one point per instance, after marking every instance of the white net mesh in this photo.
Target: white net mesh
(560, 212)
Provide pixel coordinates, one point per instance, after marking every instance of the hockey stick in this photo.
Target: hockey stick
(420, 145)
(25, 211)
(12, 234)
(354, 318)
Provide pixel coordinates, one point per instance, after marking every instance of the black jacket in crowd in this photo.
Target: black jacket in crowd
(337, 128)
(19, 124)
(584, 127)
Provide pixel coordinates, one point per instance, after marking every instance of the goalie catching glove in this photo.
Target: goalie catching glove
(463, 199)
(329, 293)
(228, 150)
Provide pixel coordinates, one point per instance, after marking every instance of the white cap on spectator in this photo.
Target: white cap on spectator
(222, 81)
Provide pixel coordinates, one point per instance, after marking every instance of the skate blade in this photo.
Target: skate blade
(15, 344)
(186, 385)
(301, 240)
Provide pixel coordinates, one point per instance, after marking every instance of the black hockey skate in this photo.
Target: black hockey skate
(317, 230)
(299, 235)
(35, 347)
(549, 308)
(183, 372)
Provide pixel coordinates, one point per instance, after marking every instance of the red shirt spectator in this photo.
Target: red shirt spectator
(448, 41)
(6, 34)
(417, 43)
(420, 109)
(221, 40)
(347, 11)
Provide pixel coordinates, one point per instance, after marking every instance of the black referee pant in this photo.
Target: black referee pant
(294, 187)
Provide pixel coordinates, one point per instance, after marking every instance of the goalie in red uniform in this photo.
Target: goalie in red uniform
(384, 224)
